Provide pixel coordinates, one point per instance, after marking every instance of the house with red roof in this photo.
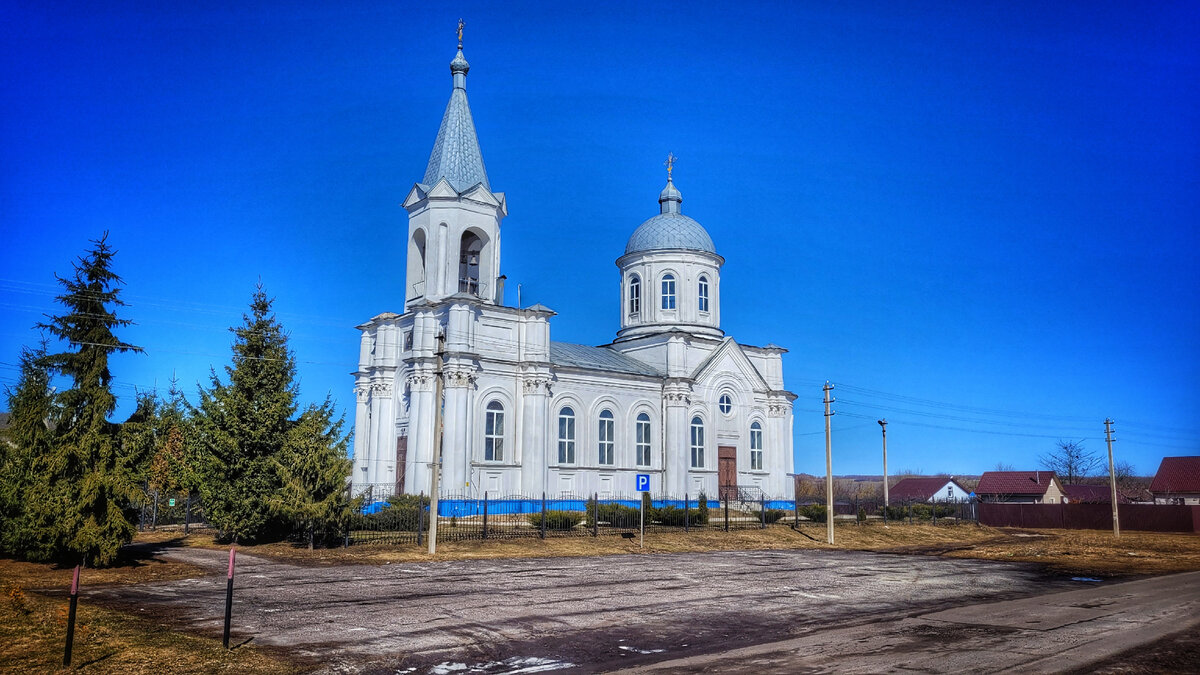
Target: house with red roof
(1177, 481)
(1093, 494)
(927, 489)
(1020, 487)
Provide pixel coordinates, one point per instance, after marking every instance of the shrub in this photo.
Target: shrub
(773, 515)
(402, 513)
(672, 516)
(702, 510)
(557, 520)
(814, 512)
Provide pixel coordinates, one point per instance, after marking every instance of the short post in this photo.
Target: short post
(686, 513)
(642, 514)
(71, 617)
(485, 510)
(543, 533)
(726, 512)
(796, 512)
(595, 514)
(420, 516)
(229, 597)
(762, 511)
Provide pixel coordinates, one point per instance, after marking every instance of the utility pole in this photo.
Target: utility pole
(1112, 477)
(883, 425)
(828, 465)
(436, 467)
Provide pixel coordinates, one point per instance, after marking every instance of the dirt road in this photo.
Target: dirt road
(602, 613)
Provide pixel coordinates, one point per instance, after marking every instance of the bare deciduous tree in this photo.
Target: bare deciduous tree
(1071, 461)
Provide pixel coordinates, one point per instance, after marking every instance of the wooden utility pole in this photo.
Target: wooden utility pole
(828, 466)
(1112, 477)
(883, 425)
(436, 467)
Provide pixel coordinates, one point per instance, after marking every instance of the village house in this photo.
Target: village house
(1020, 487)
(928, 489)
(1177, 481)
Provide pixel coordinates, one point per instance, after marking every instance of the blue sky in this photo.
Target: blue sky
(978, 220)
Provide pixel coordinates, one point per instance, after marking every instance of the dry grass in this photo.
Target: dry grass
(1094, 552)
(33, 631)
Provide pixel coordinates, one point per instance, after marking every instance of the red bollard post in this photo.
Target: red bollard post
(71, 617)
(229, 597)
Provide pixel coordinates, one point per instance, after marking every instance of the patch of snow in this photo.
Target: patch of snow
(510, 666)
(642, 651)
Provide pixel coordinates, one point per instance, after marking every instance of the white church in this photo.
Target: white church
(671, 396)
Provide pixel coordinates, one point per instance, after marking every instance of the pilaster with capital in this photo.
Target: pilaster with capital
(459, 395)
(535, 387)
(677, 394)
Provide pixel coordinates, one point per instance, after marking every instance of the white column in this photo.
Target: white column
(362, 440)
(536, 440)
(780, 448)
(676, 440)
(420, 447)
(455, 455)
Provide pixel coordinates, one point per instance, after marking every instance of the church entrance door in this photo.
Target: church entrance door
(727, 472)
(401, 462)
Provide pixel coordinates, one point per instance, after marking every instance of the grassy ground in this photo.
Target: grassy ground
(33, 624)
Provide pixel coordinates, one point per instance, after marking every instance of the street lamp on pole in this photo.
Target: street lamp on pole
(883, 425)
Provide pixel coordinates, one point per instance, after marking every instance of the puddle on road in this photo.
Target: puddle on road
(510, 666)
(1091, 579)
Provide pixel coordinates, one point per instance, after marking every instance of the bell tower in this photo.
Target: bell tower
(453, 215)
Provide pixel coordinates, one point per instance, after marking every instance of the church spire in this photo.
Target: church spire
(456, 155)
(670, 199)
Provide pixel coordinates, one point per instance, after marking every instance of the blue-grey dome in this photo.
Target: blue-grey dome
(670, 228)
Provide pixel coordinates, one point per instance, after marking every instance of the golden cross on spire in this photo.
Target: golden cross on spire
(670, 163)
(460, 27)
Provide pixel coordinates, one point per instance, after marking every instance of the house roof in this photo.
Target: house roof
(1177, 474)
(1092, 494)
(921, 488)
(605, 359)
(1014, 482)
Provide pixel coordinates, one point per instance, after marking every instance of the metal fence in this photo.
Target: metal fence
(165, 509)
(405, 518)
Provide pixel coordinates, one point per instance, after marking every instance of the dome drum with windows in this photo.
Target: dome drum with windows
(670, 274)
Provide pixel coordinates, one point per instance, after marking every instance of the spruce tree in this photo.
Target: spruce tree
(23, 447)
(314, 471)
(89, 481)
(243, 425)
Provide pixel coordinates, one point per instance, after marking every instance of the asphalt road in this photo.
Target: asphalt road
(754, 611)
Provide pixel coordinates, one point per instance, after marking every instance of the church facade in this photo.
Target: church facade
(671, 396)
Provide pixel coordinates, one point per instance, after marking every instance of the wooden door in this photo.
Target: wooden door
(727, 472)
(401, 462)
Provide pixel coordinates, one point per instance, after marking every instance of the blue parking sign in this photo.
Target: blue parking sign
(643, 482)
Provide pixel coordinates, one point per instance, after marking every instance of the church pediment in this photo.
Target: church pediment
(443, 190)
(415, 195)
(481, 195)
(729, 357)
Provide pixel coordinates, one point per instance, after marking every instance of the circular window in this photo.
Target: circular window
(725, 404)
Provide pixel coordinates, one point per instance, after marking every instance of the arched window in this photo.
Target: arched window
(703, 294)
(668, 291)
(756, 448)
(493, 433)
(566, 436)
(697, 443)
(605, 435)
(635, 294)
(643, 440)
(469, 253)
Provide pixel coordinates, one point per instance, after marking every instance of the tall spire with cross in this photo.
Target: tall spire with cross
(456, 155)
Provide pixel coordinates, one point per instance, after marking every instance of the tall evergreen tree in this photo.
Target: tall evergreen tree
(89, 481)
(314, 471)
(243, 426)
(172, 467)
(23, 447)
